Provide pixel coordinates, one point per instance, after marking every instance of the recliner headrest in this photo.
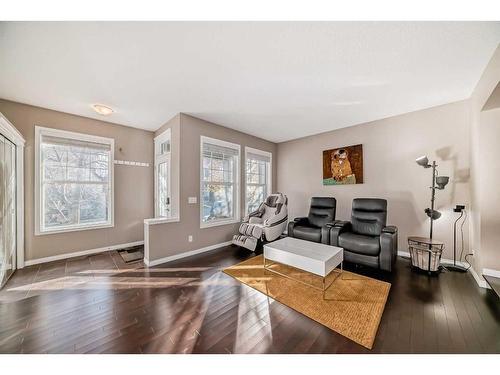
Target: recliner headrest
(369, 204)
(323, 202)
(273, 200)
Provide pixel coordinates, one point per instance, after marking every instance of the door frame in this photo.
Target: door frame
(158, 159)
(9, 131)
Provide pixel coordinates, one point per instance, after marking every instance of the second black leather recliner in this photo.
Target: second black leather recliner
(315, 227)
(367, 239)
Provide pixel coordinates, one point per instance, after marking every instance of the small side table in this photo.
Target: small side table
(425, 253)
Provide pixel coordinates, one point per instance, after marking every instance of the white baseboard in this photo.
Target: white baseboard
(491, 272)
(155, 262)
(479, 280)
(82, 253)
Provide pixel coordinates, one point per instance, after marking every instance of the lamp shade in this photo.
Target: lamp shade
(442, 181)
(433, 214)
(423, 161)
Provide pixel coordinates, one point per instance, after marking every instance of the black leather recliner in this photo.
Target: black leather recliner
(366, 239)
(315, 227)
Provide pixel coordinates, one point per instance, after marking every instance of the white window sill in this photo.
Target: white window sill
(218, 223)
(74, 229)
(161, 220)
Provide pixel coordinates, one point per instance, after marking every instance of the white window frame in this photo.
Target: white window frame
(269, 171)
(237, 182)
(39, 132)
(159, 158)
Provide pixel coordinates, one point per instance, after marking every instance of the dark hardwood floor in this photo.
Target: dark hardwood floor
(99, 304)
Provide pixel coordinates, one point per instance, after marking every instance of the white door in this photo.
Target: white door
(8, 219)
(163, 198)
(163, 188)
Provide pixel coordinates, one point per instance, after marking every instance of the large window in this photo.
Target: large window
(257, 177)
(163, 200)
(74, 181)
(219, 182)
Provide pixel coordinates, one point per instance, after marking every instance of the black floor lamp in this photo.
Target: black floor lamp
(455, 267)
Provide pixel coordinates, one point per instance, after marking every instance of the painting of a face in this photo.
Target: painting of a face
(343, 165)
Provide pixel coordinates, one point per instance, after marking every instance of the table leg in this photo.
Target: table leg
(324, 287)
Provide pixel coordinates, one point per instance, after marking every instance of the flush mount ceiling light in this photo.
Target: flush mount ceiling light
(102, 109)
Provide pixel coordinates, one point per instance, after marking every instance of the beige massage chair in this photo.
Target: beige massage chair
(266, 224)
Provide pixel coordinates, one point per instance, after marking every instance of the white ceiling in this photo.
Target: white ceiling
(275, 80)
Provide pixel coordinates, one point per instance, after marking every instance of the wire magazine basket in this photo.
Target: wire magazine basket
(425, 253)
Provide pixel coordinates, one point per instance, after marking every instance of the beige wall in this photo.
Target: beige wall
(489, 171)
(390, 147)
(481, 229)
(170, 239)
(174, 124)
(133, 188)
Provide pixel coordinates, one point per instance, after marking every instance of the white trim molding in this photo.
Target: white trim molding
(162, 157)
(155, 262)
(491, 272)
(8, 130)
(269, 173)
(82, 253)
(237, 183)
(479, 280)
(43, 131)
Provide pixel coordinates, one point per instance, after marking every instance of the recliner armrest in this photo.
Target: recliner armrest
(297, 221)
(342, 224)
(332, 224)
(301, 221)
(337, 229)
(388, 247)
(325, 232)
(390, 229)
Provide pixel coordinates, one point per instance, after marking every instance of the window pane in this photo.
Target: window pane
(78, 157)
(54, 155)
(99, 160)
(253, 178)
(255, 196)
(99, 175)
(71, 204)
(165, 147)
(53, 172)
(78, 174)
(75, 183)
(252, 166)
(256, 183)
(163, 194)
(218, 182)
(217, 202)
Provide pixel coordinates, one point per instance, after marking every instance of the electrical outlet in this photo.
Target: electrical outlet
(190, 238)
(192, 200)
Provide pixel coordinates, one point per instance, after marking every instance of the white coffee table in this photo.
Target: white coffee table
(316, 258)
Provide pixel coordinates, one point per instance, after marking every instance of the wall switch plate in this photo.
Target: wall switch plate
(192, 200)
(190, 238)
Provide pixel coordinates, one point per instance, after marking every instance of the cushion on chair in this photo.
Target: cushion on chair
(307, 233)
(369, 216)
(245, 241)
(322, 211)
(255, 220)
(254, 230)
(361, 244)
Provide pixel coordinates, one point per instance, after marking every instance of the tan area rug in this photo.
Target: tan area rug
(352, 307)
